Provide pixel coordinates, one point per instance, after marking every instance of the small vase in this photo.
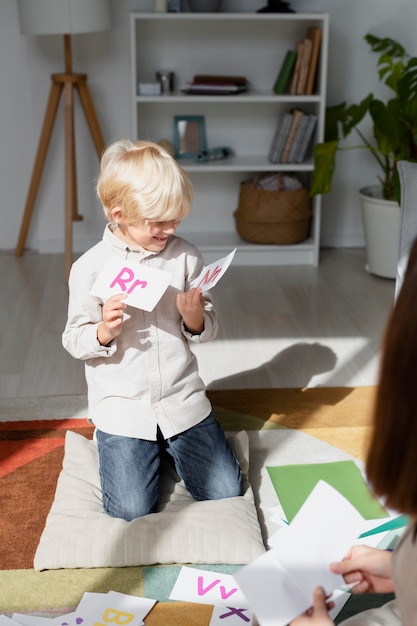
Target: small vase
(204, 6)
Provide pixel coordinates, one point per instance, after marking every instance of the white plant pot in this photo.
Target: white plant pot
(381, 222)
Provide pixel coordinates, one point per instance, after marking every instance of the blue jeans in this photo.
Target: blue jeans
(129, 468)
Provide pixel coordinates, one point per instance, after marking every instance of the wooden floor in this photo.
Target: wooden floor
(280, 326)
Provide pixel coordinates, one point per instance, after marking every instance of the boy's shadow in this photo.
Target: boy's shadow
(294, 366)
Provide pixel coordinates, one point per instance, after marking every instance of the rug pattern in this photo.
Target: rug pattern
(31, 454)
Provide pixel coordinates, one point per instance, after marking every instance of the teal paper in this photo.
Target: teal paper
(397, 522)
(294, 483)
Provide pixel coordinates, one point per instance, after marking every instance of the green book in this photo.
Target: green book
(285, 72)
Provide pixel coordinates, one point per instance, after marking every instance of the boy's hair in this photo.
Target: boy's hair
(144, 181)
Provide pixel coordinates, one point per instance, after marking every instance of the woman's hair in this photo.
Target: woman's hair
(144, 181)
(392, 458)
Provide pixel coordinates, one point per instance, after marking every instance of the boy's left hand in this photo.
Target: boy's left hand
(191, 306)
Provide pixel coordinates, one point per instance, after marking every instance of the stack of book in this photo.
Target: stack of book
(210, 84)
(292, 137)
(299, 68)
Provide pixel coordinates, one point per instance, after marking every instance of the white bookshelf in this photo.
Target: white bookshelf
(250, 45)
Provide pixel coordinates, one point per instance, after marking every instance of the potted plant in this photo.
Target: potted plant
(394, 126)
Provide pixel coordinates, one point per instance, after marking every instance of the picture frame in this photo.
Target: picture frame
(189, 136)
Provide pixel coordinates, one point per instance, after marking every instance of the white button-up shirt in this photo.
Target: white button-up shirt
(147, 376)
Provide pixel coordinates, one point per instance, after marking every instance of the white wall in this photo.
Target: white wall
(26, 63)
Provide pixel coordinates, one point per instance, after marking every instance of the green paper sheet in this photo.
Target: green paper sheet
(294, 483)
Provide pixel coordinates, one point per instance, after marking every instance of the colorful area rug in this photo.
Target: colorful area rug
(31, 454)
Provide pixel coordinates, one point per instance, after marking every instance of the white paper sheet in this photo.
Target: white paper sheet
(279, 584)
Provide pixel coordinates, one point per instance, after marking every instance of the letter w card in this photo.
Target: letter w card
(212, 273)
(143, 286)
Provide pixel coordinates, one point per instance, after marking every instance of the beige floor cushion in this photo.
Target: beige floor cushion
(79, 534)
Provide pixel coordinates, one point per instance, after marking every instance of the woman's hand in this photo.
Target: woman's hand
(112, 323)
(191, 306)
(369, 568)
(317, 615)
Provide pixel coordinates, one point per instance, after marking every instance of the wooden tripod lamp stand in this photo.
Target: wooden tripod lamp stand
(66, 17)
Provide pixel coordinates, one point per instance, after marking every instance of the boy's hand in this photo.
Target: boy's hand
(191, 306)
(112, 323)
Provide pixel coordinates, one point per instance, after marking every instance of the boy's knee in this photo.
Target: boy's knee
(129, 509)
(232, 489)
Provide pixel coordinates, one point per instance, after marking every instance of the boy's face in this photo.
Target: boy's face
(151, 236)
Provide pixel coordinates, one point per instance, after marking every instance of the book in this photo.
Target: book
(285, 71)
(295, 148)
(304, 65)
(305, 142)
(213, 89)
(297, 114)
(315, 35)
(219, 79)
(280, 136)
(213, 84)
(297, 67)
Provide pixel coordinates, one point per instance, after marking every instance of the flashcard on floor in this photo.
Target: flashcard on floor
(114, 607)
(104, 608)
(229, 616)
(206, 587)
(142, 285)
(212, 273)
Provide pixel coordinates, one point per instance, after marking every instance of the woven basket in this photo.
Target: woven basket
(274, 217)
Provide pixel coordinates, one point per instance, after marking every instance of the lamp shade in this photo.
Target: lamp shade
(63, 17)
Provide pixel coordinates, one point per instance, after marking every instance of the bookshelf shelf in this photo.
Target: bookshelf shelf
(251, 96)
(238, 44)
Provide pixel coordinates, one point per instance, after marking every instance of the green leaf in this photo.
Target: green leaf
(407, 89)
(324, 164)
(355, 114)
(334, 116)
(387, 127)
(386, 45)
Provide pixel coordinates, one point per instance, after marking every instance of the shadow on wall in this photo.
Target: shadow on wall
(293, 367)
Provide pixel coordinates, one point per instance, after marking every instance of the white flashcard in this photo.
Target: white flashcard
(113, 607)
(205, 587)
(94, 608)
(143, 286)
(212, 273)
(279, 584)
(126, 604)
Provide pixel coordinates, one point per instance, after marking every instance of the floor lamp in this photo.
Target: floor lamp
(64, 17)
